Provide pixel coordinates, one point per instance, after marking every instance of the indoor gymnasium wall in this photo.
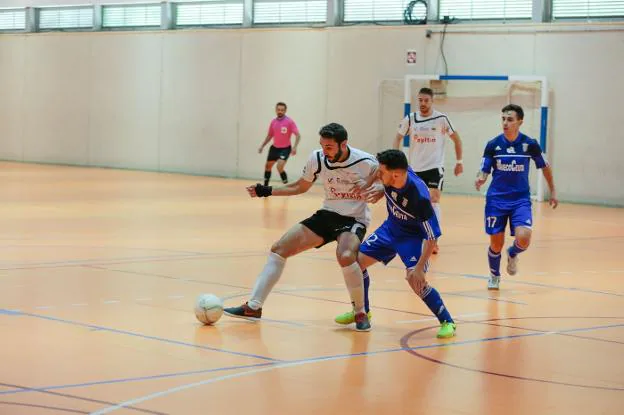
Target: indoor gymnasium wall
(200, 101)
(289, 66)
(12, 60)
(585, 71)
(200, 75)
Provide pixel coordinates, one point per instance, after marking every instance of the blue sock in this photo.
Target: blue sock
(515, 249)
(366, 285)
(432, 298)
(494, 259)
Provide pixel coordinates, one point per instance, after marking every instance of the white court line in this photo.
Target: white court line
(45, 307)
(435, 318)
(111, 302)
(132, 402)
(616, 270)
(135, 401)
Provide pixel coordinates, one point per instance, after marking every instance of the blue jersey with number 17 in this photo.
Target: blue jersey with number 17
(509, 163)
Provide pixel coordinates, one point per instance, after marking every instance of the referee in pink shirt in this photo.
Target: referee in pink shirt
(280, 130)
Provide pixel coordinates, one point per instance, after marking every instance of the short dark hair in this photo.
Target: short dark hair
(393, 159)
(283, 104)
(426, 91)
(335, 131)
(516, 108)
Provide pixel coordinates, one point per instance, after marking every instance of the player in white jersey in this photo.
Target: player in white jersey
(345, 173)
(427, 130)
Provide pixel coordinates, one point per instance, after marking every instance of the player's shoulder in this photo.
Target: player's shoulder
(493, 142)
(316, 155)
(529, 140)
(438, 114)
(357, 155)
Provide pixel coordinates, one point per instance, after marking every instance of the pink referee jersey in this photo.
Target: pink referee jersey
(281, 130)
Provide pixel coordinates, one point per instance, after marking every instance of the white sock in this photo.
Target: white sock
(354, 279)
(266, 280)
(438, 212)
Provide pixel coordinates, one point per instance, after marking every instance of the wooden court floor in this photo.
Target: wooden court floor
(99, 270)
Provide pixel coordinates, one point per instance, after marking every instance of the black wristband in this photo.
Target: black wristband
(263, 191)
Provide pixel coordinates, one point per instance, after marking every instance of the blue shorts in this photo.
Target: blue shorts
(383, 246)
(496, 218)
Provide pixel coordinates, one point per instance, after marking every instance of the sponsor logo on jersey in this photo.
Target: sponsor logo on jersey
(511, 150)
(513, 166)
(336, 194)
(423, 140)
(525, 147)
(396, 212)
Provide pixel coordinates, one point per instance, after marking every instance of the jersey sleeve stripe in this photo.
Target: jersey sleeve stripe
(429, 230)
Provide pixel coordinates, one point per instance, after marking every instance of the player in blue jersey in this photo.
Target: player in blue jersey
(411, 231)
(508, 157)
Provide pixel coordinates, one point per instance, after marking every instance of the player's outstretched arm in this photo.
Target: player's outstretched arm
(548, 175)
(291, 189)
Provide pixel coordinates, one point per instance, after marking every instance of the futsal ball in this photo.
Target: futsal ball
(208, 308)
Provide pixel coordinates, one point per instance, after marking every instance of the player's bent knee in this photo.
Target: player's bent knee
(280, 249)
(523, 236)
(346, 257)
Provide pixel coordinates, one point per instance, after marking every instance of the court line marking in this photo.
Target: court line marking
(186, 373)
(130, 333)
(457, 317)
(539, 284)
(82, 398)
(301, 362)
(133, 379)
(483, 277)
(52, 408)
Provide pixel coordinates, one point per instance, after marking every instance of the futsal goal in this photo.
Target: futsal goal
(473, 104)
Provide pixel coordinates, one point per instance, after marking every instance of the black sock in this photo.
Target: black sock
(267, 177)
(284, 177)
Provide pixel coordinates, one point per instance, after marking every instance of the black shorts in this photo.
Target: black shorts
(434, 178)
(278, 153)
(329, 225)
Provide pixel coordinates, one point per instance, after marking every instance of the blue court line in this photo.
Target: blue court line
(134, 379)
(130, 333)
(539, 284)
(458, 343)
(483, 277)
(283, 363)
